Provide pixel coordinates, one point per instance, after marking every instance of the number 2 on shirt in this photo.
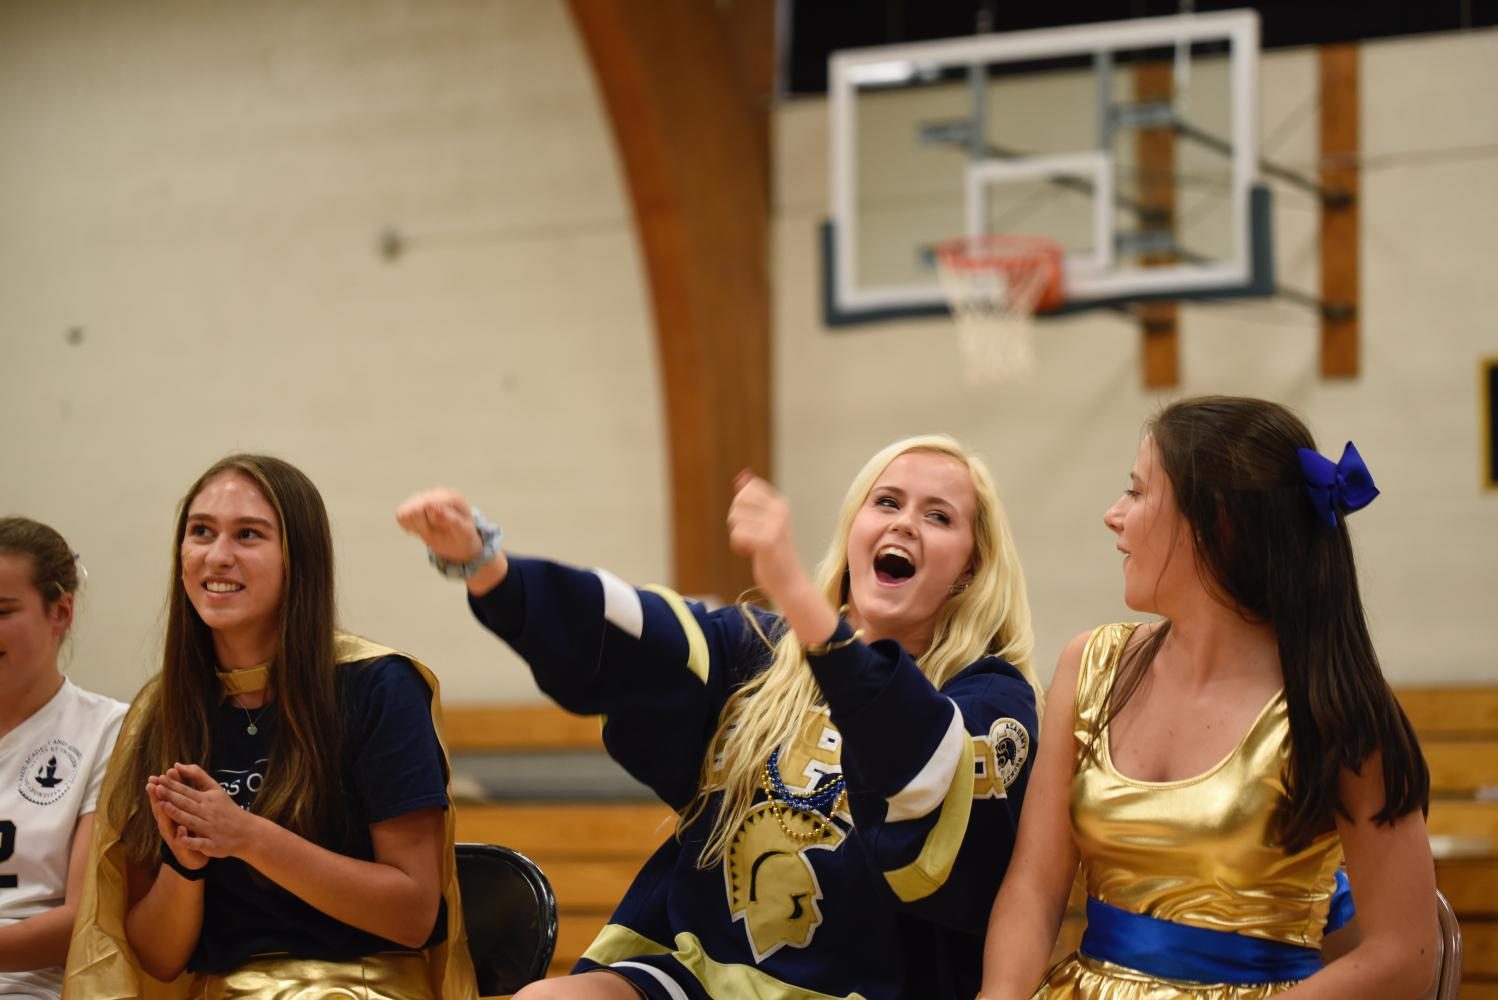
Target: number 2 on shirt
(7, 848)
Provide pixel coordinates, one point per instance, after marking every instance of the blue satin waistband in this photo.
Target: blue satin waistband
(1194, 954)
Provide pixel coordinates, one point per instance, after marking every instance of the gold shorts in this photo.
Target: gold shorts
(386, 976)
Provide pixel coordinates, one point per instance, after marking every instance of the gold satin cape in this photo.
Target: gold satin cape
(101, 965)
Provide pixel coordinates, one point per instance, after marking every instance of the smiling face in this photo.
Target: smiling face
(232, 567)
(1158, 561)
(31, 630)
(910, 544)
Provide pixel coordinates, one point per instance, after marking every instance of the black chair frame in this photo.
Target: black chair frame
(510, 913)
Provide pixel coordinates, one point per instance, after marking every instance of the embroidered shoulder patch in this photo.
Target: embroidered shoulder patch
(998, 757)
(1011, 748)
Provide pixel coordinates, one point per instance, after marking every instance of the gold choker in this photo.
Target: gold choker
(251, 680)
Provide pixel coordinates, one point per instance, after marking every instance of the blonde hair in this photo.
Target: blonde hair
(991, 617)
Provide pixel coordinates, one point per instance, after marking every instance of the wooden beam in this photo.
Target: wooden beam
(1340, 114)
(596, 885)
(523, 728)
(1451, 711)
(1479, 951)
(1461, 767)
(1470, 885)
(1159, 329)
(1464, 818)
(1158, 321)
(553, 831)
(678, 79)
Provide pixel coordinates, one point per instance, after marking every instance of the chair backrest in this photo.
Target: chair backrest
(511, 916)
(1449, 979)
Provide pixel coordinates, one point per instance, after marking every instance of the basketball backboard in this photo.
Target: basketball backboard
(1039, 132)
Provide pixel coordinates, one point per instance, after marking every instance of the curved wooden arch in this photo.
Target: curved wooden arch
(686, 84)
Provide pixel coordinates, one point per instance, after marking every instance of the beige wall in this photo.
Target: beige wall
(1061, 444)
(200, 187)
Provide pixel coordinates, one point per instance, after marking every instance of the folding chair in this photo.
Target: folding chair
(511, 916)
(1449, 979)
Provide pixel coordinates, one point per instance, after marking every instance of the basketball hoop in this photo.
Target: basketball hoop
(995, 283)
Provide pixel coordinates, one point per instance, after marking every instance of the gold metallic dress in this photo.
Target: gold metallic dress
(1197, 852)
(387, 976)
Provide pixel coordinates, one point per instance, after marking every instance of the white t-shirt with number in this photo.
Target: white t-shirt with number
(51, 767)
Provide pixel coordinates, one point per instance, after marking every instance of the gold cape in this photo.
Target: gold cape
(101, 965)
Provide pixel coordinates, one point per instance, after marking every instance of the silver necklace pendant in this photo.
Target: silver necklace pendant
(250, 720)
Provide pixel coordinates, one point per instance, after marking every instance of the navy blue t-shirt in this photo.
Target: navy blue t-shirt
(394, 767)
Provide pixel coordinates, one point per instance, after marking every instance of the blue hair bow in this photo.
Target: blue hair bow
(1345, 485)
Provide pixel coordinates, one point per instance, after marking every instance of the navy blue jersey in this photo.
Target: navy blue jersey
(394, 766)
(892, 902)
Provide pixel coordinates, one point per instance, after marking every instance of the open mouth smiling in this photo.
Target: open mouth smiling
(893, 566)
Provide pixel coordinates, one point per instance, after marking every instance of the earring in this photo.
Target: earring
(957, 588)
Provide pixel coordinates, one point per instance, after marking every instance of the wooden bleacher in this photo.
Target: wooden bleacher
(1458, 730)
(591, 849)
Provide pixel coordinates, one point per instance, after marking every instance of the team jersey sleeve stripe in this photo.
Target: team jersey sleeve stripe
(621, 604)
(697, 653)
(926, 790)
(929, 871)
(616, 942)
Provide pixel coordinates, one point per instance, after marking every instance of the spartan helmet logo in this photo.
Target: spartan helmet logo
(770, 882)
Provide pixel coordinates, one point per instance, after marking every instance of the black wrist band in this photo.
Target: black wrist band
(170, 860)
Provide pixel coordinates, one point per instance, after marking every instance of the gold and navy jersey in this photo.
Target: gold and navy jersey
(892, 902)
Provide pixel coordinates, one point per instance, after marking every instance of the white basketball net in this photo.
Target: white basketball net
(993, 284)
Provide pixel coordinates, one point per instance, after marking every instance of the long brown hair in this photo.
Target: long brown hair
(303, 788)
(1262, 549)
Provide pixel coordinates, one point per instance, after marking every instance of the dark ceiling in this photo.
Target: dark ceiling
(815, 28)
